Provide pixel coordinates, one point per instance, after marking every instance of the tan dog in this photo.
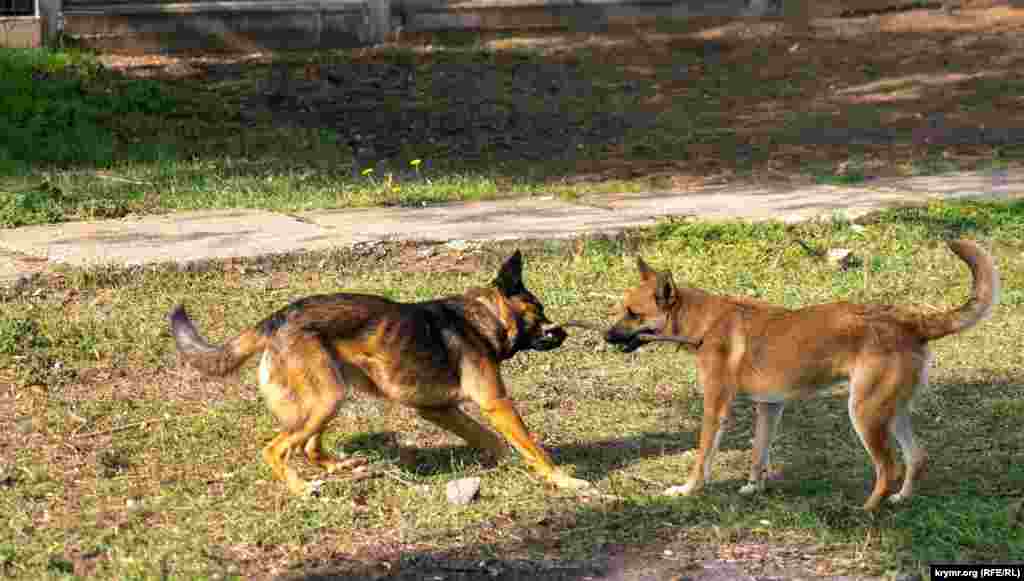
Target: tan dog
(773, 354)
(429, 356)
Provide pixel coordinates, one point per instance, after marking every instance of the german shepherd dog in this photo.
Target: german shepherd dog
(774, 354)
(430, 356)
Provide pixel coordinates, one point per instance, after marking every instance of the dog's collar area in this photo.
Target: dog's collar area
(683, 340)
(501, 343)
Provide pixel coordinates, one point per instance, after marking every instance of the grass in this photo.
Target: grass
(504, 114)
(59, 107)
(119, 464)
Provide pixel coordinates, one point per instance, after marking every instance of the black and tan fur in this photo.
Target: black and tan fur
(774, 354)
(430, 356)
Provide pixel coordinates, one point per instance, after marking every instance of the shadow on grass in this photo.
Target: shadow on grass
(595, 459)
(963, 509)
(417, 566)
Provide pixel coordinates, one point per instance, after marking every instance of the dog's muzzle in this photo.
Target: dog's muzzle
(552, 338)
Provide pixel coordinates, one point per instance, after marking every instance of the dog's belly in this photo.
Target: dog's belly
(423, 387)
(768, 397)
(779, 395)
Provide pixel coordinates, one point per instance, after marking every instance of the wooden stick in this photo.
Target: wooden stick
(582, 325)
(680, 339)
(651, 337)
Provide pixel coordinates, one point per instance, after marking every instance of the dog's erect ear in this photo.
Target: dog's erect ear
(646, 272)
(664, 289)
(510, 277)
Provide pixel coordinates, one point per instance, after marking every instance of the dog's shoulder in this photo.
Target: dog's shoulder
(462, 321)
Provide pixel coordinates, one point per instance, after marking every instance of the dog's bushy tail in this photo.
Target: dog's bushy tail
(984, 294)
(214, 360)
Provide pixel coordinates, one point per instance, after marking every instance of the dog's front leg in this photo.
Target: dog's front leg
(503, 416)
(717, 405)
(766, 424)
(482, 383)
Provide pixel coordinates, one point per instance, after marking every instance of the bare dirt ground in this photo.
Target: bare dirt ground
(893, 93)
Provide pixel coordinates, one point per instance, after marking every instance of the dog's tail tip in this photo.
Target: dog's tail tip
(178, 314)
(984, 292)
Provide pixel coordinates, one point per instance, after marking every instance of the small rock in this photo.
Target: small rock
(839, 254)
(843, 257)
(463, 490)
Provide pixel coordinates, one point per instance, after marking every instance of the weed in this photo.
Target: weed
(18, 335)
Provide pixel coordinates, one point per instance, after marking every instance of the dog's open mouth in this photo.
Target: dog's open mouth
(552, 338)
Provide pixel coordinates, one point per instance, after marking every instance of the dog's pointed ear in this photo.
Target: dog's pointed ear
(646, 272)
(510, 277)
(664, 289)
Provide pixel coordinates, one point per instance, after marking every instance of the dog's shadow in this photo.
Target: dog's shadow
(593, 458)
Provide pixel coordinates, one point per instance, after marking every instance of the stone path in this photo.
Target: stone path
(191, 237)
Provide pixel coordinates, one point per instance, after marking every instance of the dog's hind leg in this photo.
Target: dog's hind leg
(871, 420)
(458, 422)
(343, 378)
(302, 390)
(767, 424)
(329, 462)
(915, 458)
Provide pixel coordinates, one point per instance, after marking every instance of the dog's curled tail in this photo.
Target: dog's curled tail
(984, 294)
(213, 360)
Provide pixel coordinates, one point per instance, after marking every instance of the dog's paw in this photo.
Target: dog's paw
(684, 490)
(563, 480)
(896, 498)
(751, 488)
(348, 463)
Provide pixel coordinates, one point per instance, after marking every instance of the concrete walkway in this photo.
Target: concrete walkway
(198, 236)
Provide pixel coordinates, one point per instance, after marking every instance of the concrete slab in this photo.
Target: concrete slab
(998, 183)
(793, 205)
(530, 218)
(182, 238)
(190, 237)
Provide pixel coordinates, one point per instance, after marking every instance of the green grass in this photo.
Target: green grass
(59, 107)
(118, 464)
